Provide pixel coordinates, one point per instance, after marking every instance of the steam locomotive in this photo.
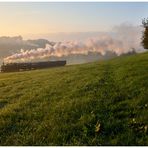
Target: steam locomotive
(15, 67)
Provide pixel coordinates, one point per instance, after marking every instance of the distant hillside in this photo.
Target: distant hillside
(101, 103)
(9, 45)
(40, 42)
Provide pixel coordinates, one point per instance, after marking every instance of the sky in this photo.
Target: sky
(41, 18)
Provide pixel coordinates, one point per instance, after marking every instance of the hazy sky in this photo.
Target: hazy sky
(43, 18)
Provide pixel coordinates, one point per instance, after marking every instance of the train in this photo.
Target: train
(16, 67)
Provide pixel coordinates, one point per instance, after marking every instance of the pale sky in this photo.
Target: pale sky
(19, 18)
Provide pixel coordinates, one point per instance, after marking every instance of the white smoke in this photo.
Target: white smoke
(124, 38)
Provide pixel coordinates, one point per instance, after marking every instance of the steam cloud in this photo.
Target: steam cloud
(124, 38)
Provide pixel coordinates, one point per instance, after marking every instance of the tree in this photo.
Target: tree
(145, 33)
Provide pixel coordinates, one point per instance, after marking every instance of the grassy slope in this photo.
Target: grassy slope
(65, 106)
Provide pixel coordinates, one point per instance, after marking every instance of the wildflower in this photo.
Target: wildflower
(134, 120)
(98, 125)
(145, 128)
(92, 112)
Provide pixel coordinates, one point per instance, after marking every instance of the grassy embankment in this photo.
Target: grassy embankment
(101, 103)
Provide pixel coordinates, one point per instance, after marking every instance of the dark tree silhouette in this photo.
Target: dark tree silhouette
(145, 33)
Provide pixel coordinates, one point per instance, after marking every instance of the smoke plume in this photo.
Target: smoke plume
(123, 39)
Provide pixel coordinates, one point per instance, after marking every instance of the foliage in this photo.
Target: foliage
(145, 33)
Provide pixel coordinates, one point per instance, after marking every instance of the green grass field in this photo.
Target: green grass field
(101, 103)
